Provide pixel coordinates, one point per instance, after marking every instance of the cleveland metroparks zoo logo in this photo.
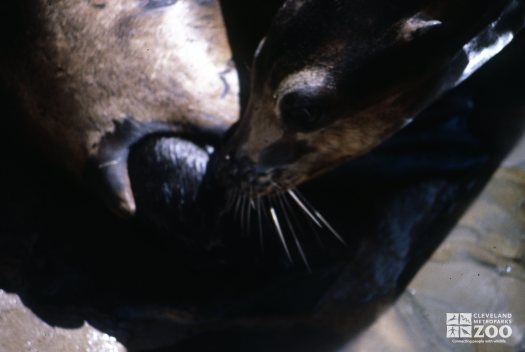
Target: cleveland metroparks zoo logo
(478, 327)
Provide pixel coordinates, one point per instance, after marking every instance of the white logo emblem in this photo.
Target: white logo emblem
(478, 327)
(465, 318)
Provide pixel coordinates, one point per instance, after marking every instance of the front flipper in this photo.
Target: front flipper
(107, 172)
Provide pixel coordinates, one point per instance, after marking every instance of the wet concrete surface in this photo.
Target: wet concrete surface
(23, 331)
(479, 268)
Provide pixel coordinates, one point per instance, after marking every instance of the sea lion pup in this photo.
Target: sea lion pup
(95, 77)
(333, 79)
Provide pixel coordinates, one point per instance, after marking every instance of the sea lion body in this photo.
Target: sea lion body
(94, 77)
(334, 79)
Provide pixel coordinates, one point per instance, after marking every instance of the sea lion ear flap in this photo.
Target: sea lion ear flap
(416, 26)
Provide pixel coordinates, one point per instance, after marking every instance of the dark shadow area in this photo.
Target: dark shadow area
(71, 261)
(247, 22)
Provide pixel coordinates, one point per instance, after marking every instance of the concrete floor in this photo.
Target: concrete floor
(22, 331)
(479, 268)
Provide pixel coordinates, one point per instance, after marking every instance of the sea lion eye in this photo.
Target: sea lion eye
(302, 112)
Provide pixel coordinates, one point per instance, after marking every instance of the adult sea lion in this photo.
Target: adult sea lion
(95, 77)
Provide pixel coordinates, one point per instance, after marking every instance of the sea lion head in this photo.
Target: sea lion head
(334, 79)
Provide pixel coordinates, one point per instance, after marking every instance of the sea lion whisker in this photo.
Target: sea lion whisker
(248, 213)
(301, 205)
(277, 224)
(312, 225)
(292, 231)
(295, 217)
(283, 210)
(235, 200)
(259, 218)
(242, 214)
(321, 218)
(249, 207)
(236, 207)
